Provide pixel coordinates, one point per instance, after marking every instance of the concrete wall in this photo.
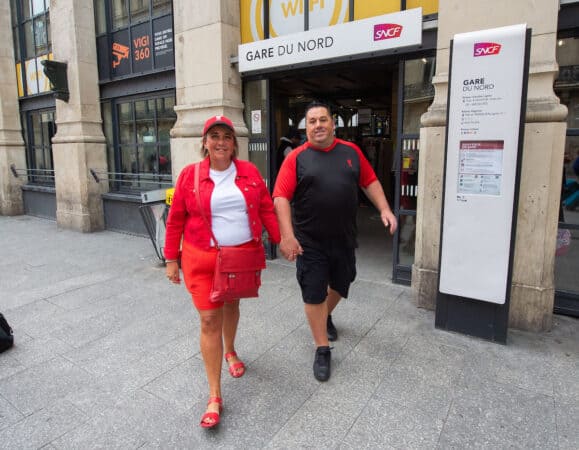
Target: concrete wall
(12, 151)
(79, 144)
(206, 36)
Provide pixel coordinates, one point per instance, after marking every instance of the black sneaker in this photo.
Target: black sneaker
(332, 332)
(322, 363)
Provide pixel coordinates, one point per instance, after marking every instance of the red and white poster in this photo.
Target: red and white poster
(480, 167)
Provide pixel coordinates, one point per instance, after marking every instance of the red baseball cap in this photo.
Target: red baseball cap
(217, 120)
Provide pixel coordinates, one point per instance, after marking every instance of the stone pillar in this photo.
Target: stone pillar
(206, 36)
(79, 143)
(532, 290)
(12, 150)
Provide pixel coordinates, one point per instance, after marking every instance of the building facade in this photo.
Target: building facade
(143, 75)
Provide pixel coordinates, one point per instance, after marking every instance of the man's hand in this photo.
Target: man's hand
(389, 220)
(290, 248)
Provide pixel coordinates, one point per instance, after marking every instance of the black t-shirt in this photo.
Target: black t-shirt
(322, 185)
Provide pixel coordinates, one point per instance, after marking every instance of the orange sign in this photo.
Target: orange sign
(120, 52)
(141, 47)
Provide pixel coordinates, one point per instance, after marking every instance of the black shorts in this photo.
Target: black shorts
(322, 266)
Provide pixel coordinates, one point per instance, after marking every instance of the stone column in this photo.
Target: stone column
(206, 36)
(532, 290)
(12, 150)
(79, 143)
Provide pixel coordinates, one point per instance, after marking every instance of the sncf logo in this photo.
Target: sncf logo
(387, 31)
(486, 49)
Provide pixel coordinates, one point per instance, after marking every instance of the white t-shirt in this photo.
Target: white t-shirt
(229, 217)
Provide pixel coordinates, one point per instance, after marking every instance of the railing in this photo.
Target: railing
(43, 177)
(132, 182)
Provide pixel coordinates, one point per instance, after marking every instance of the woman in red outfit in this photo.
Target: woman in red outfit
(237, 205)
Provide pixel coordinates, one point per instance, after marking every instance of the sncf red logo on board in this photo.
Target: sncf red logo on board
(486, 49)
(387, 31)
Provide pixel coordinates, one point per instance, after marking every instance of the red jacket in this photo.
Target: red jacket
(184, 216)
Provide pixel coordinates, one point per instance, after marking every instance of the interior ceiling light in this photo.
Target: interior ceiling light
(560, 43)
(424, 61)
(358, 100)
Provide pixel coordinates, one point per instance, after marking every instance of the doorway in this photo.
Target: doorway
(377, 104)
(363, 98)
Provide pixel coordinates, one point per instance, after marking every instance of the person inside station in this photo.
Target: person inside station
(291, 140)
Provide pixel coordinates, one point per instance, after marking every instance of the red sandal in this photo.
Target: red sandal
(212, 415)
(233, 368)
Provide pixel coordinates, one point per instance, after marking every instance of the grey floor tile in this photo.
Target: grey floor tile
(386, 425)
(184, 386)
(9, 415)
(567, 414)
(565, 374)
(139, 339)
(511, 365)
(31, 351)
(313, 426)
(494, 415)
(37, 387)
(42, 427)
(418, 388)
(101, 333)
(9, 365)
(130, 422)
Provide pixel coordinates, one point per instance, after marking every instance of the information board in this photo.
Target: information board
(484, 126)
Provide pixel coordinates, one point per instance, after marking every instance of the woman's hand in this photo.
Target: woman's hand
(172, 271)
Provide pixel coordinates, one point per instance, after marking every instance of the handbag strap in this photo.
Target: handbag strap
(197, 176)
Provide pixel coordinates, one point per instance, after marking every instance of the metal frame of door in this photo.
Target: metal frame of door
(260, 144)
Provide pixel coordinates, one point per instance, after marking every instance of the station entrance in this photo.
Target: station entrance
(377, 104)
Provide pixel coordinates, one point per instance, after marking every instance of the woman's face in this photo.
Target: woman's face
(220, 144)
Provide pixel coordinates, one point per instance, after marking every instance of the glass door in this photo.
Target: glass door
(415, 95)
(257, 103)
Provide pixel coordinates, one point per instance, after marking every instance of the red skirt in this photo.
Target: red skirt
(198, 267)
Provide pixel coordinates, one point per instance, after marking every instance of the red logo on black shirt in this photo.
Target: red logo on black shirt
(350, 162)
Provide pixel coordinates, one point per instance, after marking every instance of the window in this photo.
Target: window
(39, 128)
(138, 147)
(31, 33)
(567, 88)
(133, 37)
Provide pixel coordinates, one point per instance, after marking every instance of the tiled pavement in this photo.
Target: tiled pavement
(107, 356)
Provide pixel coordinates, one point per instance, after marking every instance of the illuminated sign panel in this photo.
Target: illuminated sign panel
(288, 16)
(402, 29)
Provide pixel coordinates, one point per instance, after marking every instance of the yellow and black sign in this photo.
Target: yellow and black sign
(169, 196)
(287, 16)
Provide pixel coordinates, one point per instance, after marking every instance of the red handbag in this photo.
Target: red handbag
(237, 269)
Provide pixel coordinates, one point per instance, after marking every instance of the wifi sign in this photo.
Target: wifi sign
(387, 31)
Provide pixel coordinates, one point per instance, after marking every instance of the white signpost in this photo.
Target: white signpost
(484, 137)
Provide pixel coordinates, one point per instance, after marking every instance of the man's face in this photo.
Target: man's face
(319, 127)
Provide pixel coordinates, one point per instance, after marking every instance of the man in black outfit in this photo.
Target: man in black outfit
(318, 228)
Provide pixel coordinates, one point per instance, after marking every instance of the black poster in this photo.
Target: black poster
(141, 48)
(104, 57)
(121, 52)
(163, 42)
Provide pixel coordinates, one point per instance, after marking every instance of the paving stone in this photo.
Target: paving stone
(39, 429)
(107, 356)
(37, 387)
(495, 415)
